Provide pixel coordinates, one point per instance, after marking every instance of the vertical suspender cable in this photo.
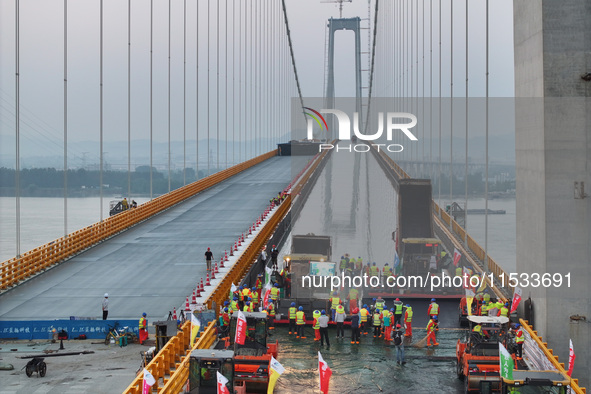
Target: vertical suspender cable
(129, 99)
(151, 93)
(423, 83)
(208, 83)
(451, 105)
(486, 149)
(184, 92)
(417, 79)
(65, 118)
(101, 110)
(240, 123)
(431, 89)
(466, 137)
(440, 98)
(217, 90)
(233, 84)
(17, 181)
(169, 12)
(250, 89)
(226, 84)
(411, 79)
(197, 90)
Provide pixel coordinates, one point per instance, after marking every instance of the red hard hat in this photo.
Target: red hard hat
(273, 245)
(398, 299)
(207, 248)
(398, 326)
(356, 310)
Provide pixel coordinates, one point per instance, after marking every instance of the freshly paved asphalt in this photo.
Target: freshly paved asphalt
(154, 265)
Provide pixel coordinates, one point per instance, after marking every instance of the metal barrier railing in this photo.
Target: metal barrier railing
(178, 378)
(574, 385)
(18, 269)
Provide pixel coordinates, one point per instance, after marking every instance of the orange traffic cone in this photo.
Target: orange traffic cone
(174, 313)
(207, 280)
(213, 274)
(201, 285)
(193, 300)
(187, 307)
(215, 268)
(198, 291)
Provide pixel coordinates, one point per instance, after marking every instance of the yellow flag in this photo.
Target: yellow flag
(195, 326)
(482, 285)
(275, 370)
(469, 299)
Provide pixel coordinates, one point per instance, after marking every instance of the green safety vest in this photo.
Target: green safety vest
(478, 329)
(234, 306)
(380, 304)
(373, 270)
(316, 314)
(408, 316)
(353, 293)
(484, 310)
(486, 297)
(255, 297)
(398, 307)
(459, 271)
(335, 302)
(358, 264)
(521, 338)
(300, 318)
(376, 319)
(364, 314)
(505, 311)
(434, 309)
(292, 313)
(274, 293)
(343, 263)
(387, 270)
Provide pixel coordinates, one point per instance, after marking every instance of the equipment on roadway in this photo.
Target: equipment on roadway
(36, 365)
(478, 356)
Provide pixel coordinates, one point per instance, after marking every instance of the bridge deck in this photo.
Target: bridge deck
(154, 265)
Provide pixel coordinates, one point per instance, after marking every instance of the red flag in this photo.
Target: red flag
(571, 358)
(325, 374)
(240, 328)
(457, 256)
(266, 298)
(516, 299)
(222, 380)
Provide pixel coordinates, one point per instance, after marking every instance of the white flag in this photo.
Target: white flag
(148, 381)
(506, 363)
(222, 381)
(233, 288)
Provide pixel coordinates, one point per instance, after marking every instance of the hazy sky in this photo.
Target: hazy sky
(41, 62)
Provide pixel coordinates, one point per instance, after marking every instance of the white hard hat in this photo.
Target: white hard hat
(106, 294)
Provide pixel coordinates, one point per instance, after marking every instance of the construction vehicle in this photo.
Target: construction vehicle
(478, 356)
(203, 367)
(533, 382)
(310, 256)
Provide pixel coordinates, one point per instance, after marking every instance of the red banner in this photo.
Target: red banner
(571, 358)
(325, 374)
(241, 328)
(266, 298)
(222, 381)
(457, 257)
(516, 299)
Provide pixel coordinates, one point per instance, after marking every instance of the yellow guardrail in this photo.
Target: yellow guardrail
(180, 372)
(17, 269)
(574, 385)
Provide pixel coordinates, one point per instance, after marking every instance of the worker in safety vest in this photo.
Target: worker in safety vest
(486, 297)
(245, 293)
(504, 311)
(386, 317)
(459, 270)
(492, 309)
(225, 318)
(377, 324)
(271, 316)
(340, 320)
(255, 298)
(374, 270)
(367, 269)
(408, 321)
(334, 302)
(352, 297)
(519, 339)
(355, 326)
(387, 271)
(316, 325)
(363, 317)
(300, 322)
(351, 264)
(380, 303)
(432, 328)
(398, 311)
(477, 331)
(274, 295)
(433, 308)
(234, 305)
(259, 284)
(246, 307)
(292, 318)
(343, 264)
(143, 325)
(483, 308)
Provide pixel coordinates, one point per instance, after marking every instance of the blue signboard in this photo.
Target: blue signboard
(42, 329)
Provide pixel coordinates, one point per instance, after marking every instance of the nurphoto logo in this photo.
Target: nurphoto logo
(394, 122)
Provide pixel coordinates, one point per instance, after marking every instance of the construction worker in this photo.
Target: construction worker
(363, 317)
(323, 323)
(398, 311)
(367, 269)
(459, 270)
(208, 258)
(292, 318)
(225, 318)
(246, 307)
(255, 298)
(340, 320)
(316, 325)
(519, 339)
(492, 309)
(271, 316)
(274, 293)
(355, 326)
(358, 265)
(334, 302)
(399, 343)
(343, 264)
(274, 255)
(234, 305)
(377, 324)
(105, 306)
(408, 321)
(477, 332)
(504, 311)
(386, 316)
(125, 204)
(143, 325)
(483, 308)
(374, 270)
(352, 297)
(300, 322)
(380, 303)
(259, 284)
(432, 328)
(245, 293)
(387, 270)
(433, 308)
(486, 297)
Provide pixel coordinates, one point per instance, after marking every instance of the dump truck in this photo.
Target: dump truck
(478, 355)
